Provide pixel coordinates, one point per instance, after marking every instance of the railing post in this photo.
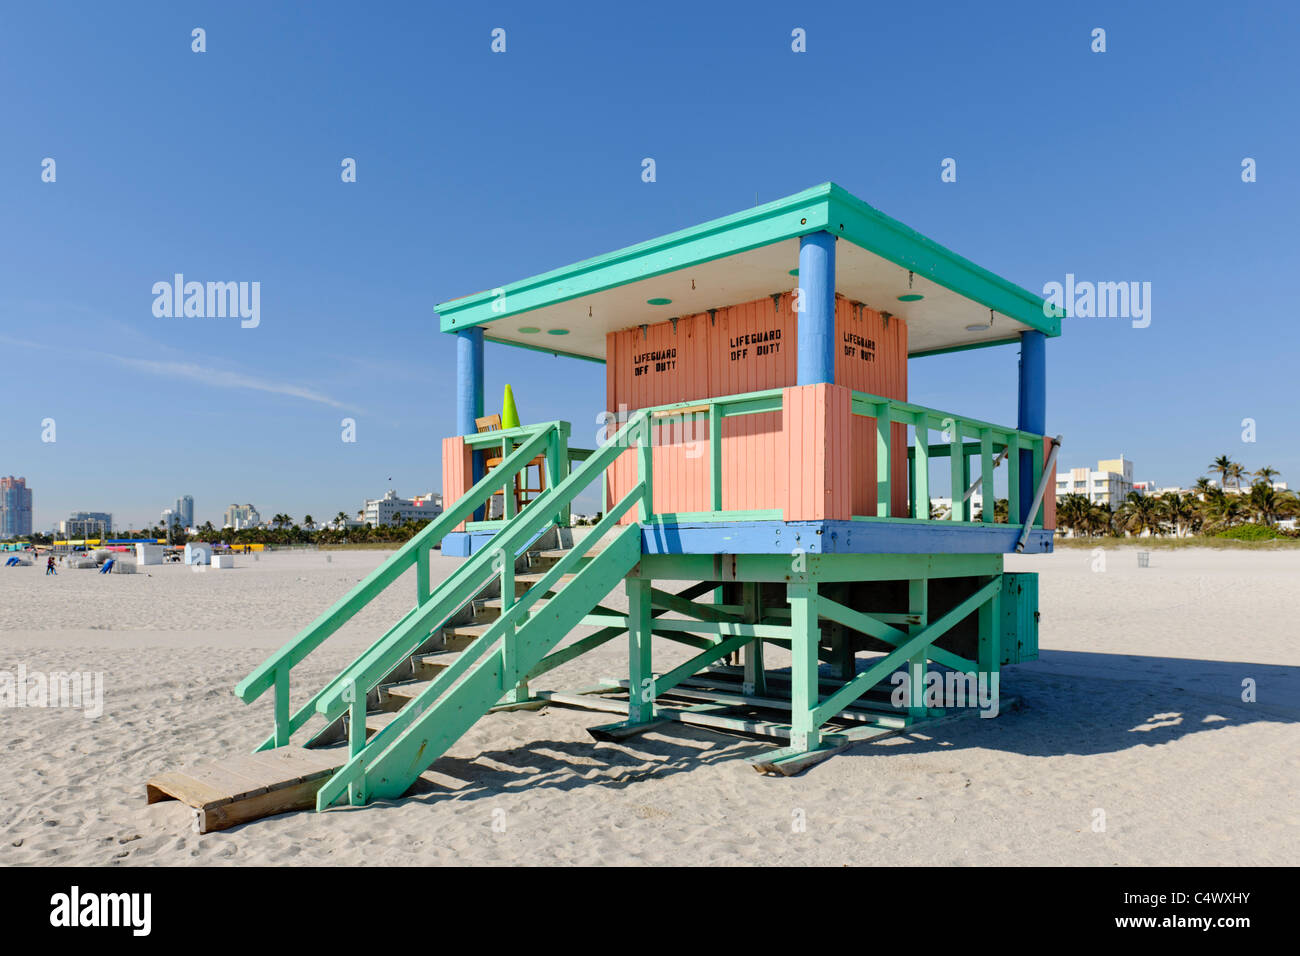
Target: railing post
(557, 456)
(957, 470)
(986, 475)
(715, 456)
(645, 468)
(282, 726)
(884, 457)
(921, 469)
(1013, 478)
(510, 483)
(1041, 514)
(422, 575)
(516, 689)
(357, 739)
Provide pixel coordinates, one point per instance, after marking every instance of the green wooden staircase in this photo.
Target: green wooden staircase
(417, 689)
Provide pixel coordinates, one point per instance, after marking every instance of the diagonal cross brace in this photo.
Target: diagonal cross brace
(878, 629)
(905, 651)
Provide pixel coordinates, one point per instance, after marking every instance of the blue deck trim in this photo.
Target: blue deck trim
(838, 537)
(813, 537)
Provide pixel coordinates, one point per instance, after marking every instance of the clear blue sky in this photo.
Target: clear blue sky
(476, 169)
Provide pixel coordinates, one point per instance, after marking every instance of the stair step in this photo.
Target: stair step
(407, 691)
(529, 578)
(431, 665)
(378, 721)
(457, 637)
(494, 605)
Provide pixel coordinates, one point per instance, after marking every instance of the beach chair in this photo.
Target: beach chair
(524, 491)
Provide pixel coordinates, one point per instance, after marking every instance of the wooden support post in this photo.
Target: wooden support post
(844, 661)
(918, 593)
(989, 657)
(640, 678)
(804, 697)
(755, 679)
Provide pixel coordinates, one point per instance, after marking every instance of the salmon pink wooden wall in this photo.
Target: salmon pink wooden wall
(457, 476)
(745, 348)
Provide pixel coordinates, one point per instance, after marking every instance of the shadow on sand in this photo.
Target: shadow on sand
(1072, 703)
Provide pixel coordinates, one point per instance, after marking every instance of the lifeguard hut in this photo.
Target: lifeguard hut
(767, 483)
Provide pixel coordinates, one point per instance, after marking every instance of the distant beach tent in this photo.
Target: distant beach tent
(198, 553)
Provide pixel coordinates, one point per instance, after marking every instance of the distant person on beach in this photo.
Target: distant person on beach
(49, 565)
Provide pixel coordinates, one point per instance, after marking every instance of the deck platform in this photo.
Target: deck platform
(234, 790)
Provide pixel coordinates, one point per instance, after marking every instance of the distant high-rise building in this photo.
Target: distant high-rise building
(184, 509)
(87, 524)
(15, 508)
(391, 509)
(242, 516)
(1108, 485)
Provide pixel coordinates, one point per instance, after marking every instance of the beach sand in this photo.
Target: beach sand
(1134, 710)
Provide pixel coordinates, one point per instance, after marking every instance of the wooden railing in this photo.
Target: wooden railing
(974, 450)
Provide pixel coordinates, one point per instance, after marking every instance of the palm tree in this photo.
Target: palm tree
(1221, 511)
(1202, 487)
(340, 519)
(308, 523)
(1263, 502)
(1139, 514)
(1098, 519)
(1180, 510)
(1221, 467)
(1071, 513)
(1267, 474)
(1236, 472)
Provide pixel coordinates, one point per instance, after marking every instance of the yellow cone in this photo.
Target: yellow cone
(509, 414)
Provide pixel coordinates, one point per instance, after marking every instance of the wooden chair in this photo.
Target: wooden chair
(524, 494)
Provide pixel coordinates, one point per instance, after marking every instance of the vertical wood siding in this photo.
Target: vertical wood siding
(717, 354)
(457, 474)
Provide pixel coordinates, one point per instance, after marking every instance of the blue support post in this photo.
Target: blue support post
(816, 359)
(469, 391)
(1033, 409)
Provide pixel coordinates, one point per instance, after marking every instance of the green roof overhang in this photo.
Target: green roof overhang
(825, 207)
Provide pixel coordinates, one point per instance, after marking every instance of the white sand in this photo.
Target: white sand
(1134, 709)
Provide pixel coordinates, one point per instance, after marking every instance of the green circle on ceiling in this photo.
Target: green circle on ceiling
(529, 329)
(910, 297)
(658, 301)
(557, 331)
